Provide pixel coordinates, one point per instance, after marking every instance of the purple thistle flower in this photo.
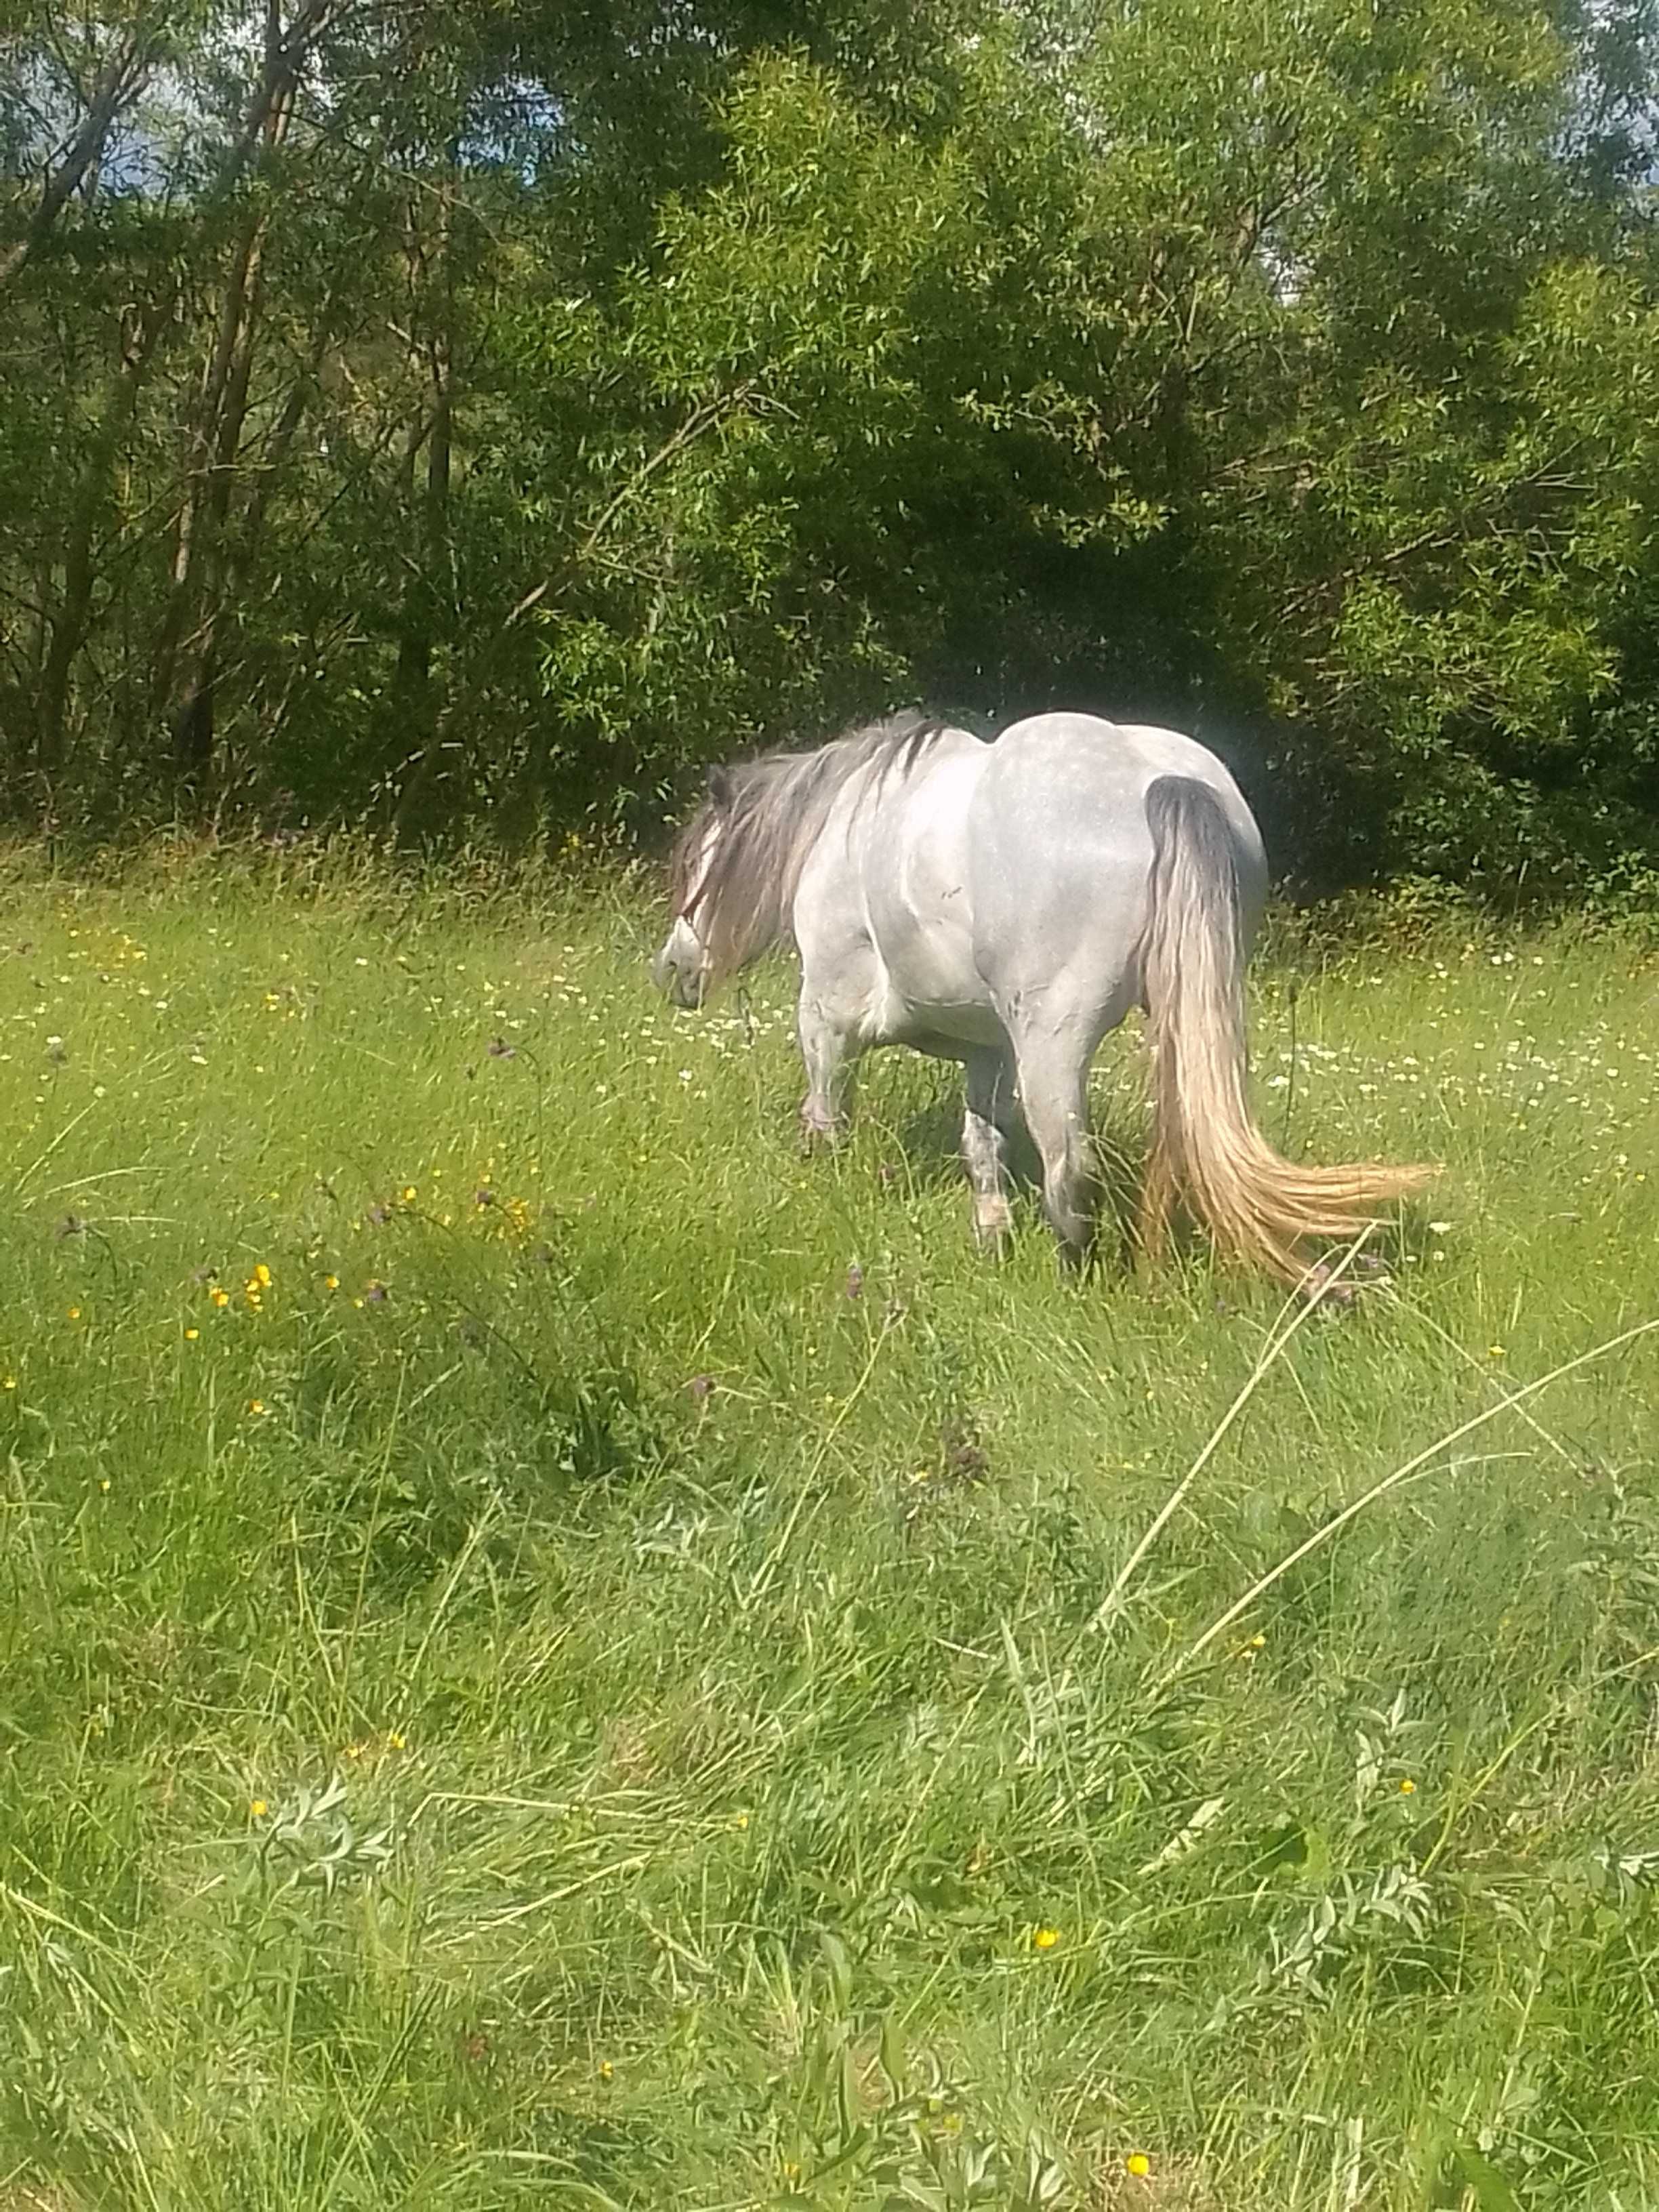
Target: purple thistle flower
(379, 1215)
(377, 1294)
(483, 1196)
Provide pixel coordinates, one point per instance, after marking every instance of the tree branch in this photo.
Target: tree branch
(119, 84)
(703, 416)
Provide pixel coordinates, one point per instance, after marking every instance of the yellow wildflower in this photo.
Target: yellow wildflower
(262, 1276)
(606, 2070)
(409, 1194)
(1407, 1787)
(331, 1282)
(191, 1335)
(219, 1298)
(259, 1809)
(396, 1740)
(1138, 2164)
(75, 1313)
(256, 1405)
(1045, 1939)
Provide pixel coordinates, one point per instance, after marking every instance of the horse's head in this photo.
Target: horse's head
(683, 967)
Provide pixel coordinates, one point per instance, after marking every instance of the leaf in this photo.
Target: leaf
(1477, 2172)
(840, 1970)
(850, 2102)
(892, 2051)
(1187, 1838)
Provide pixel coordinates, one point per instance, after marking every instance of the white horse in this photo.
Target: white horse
(1005, 905)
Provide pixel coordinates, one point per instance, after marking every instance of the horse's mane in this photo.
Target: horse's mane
(770, 813)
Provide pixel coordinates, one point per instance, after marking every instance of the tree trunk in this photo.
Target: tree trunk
(71, 616)
(186, 655)
(429, 594)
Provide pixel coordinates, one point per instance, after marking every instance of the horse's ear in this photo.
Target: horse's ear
(721, 789)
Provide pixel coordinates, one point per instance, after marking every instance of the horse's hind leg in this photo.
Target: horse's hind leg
(987, 1121)
(1053, 1092)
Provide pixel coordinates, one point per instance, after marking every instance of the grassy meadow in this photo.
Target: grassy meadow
(553, 1652)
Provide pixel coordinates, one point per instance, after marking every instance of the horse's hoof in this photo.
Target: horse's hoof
(994, 1230)
(1321, 1286)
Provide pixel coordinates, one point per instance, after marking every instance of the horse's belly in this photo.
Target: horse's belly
(965, 1022)
(933, 989)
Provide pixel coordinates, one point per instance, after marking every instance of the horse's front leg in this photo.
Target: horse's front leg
(828, 1050)
(987, 1119)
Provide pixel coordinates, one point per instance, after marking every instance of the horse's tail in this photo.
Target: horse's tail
(1207, 1148)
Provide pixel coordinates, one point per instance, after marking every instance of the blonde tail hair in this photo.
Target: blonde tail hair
(1206, 1149)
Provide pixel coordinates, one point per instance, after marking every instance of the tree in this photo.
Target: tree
(481, 413)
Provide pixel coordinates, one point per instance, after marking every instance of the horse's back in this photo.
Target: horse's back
(1061, 852)
(1086, 759)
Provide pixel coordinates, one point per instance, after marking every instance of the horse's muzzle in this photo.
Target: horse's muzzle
(680, 985)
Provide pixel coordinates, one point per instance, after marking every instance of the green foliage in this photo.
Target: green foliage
(561, 1694)
(468, 417)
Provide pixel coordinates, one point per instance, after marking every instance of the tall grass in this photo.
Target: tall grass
(555, 1652)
